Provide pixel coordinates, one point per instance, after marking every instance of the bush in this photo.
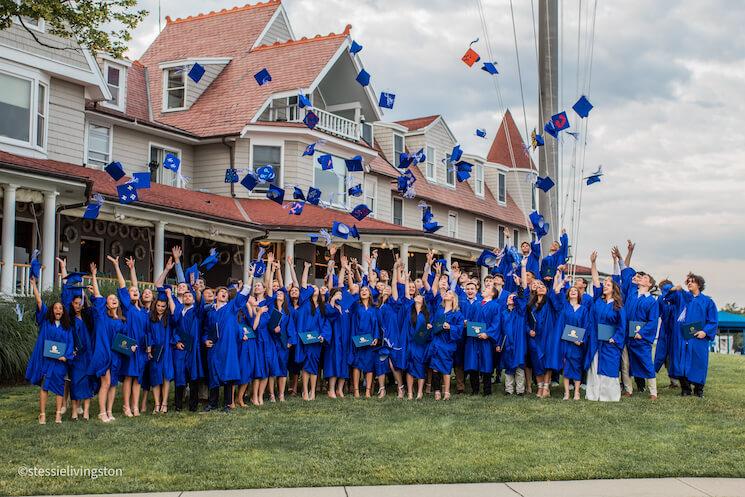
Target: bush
(17, 339)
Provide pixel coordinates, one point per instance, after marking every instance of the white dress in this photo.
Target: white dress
(602, 388)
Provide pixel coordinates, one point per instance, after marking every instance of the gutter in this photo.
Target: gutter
(231, 148)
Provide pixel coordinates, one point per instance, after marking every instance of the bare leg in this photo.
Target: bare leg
(241, 394)
(262, 389)
(255, 392)
(399, 380)
(156, 398)
(271, 388)
(576, 389)
(305, 385)
(135, 396)
(86, 409)
(528, 380)
(420, 389)
(75, 406)
(331, 393)
(127, 392)
(381, 386)
(143, 404)
(445, 386)
(340, 387)
(313, 382)
(110, 396)
(43, 395)
(164, 397)
(368, 384)
(566, 388)
(103, 394)
(59, 402)
(356, 383)
(281, 383)
(293, 384)
(410, 385)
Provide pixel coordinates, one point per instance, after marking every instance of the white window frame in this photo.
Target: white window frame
(159, 178)
(164, 107)
(347, 198)
(533, 198)
(478, 179)
(269, 143)
(501, 232)
(403, 147)
(431, 162)
(37, 79)
(476, 231)
(516, 237)
(501, 176)
(122, 85)
(372, 132)
(453, 215)
(393, 210)
(43, 114)
(88, 124)
(371, 200)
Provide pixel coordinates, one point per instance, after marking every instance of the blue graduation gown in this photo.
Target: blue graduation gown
(162, 335)
(545, 347)
(691, 357)
(222, 357)
(478, 353)
(668, 338)
(81, 386)
(249, 361)
(52, 371)
(609, 354)
(642, 308)
(443, 345)
(187, 364)
(416, 360)
(105, 328)
(136, 329)
(513, 335)
(471, 311)
(266, 353)
(335, 359)
(394, 337)
(552, 261)
(364, 321)
(280, 341)
(573, 355)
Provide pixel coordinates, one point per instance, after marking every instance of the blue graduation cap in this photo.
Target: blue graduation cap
(250, 181)
(595, 177)
(263, 77)
(191, 270)
(115, 170)
(340, 230)
(544, 184)
(141, 180)
(405, 160)
(355, 47)
(420, 157)
(356, 190)
(313, 237)
(275, 194)
(463, 170)
(314, 195)
(171, 162)
(456, 154)
(265, 173)
(209, 261)
(196, 72)
(540, 226)
(443, 263)
(549, 128)
(427, 214)
(386, 100)
(127, 193)
(354, 164)
(431, 226)
(311, 119)
(296, 208)
(360, 212)
(259, 268)
(490, 67)
(326, 162)
(363, 78)
(582, 107)
(560, 121)
(297, 193)
(231, 175)
(353, 232)
(481, 132)
(93, 207)
(487, 259)
(536, 140)
(303, 101)
(35, 269)
(309, 150)
(74, 278)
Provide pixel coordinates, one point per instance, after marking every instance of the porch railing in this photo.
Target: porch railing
(328, 122)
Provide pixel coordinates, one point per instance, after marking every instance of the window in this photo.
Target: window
(533, 197)
(115, 82)
(23, 110)
(371, 190)
(480, 231)
(478, 179)
(398, 211)
(165, 176)
(398, 147)
(99, 145)
(265, 155)
(502, 197)
(501, 236)
(449, 172)
(367, 132)
(175, 94)
(453, 224)
(332, 181)
(516, 238)
(430, 171)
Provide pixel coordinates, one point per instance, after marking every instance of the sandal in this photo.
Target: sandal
(42, 418)
(157, 409)
(438, 395)
(58, 417)
(381, 392)
(111, 417)
(103, 417)
(446, 396)
(136, 412)
(127, 412)
(164, 409)
(401, 392)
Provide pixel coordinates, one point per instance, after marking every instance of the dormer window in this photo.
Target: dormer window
(175, 88)
(398, 147)
(116, 81)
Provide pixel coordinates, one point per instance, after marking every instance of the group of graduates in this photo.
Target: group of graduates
(527, 318)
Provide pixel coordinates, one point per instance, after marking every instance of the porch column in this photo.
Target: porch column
(246, 257)
(159, 248)
(366, 246)
(47, 248)
(405, 255)
(7, 285)
(448, 256)
(289, 252)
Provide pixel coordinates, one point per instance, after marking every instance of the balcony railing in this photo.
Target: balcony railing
(328, 122)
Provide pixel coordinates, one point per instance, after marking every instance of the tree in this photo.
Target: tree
(98, 25)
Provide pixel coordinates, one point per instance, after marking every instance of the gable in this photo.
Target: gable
(277, 29)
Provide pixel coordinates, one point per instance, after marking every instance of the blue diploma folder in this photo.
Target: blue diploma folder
(248, 333)
(123, 344)
(475, 329)
(309, 337)
(54, 350)
(362, 340)
(635, 327)
(185, 338)
(156, 351)
(690, 329)
(437, 326)
(274, 320)
(573, 334)
(422, 335)
(606, 332)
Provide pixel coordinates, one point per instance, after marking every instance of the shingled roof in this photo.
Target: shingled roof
(502, 153)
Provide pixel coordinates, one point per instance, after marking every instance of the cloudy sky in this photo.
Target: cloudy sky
(667, 84)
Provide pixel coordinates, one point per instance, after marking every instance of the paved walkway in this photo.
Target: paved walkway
(653, 487)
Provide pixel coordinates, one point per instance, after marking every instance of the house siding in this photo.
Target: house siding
(384, 137)
(278, 31)
(18, 38)
(211, 161)
(195, 90)
(438, 137)
(66, 132)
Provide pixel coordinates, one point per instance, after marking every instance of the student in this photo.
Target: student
(105, 363)
(603, 359)
(573, 313)
(557, 257)
(145, 303)
(248, 354)
(397, 339)
(336, 354)
(543, 339)
(365, 321)
(271, 362)
(187, 362)
(389, 308)
(530, 251)
(694, 309)
(46, 372)
(293, 305)
(416, 319)
(669, 336)
(511, 341)
(280, 335)
(161, 342)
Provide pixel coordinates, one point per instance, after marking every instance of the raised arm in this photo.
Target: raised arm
(62, 267)
(130, 262)
(629, 252)
(119, 276)
(342, 269)
(269, 273)
(176, 252)
(162, 276)
(278, 275)
(394, 281)
(524, 273)
(427, 269)
(171, 303)
(37, 295)
(594, 269)
(304, 279)
(293, 274)
(94, 280)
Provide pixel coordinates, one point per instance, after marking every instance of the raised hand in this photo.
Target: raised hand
(170, 264)
(176, 252)
(630, 245)
(594, 257)
(306, 264)
(113, 260)
(332, 250)
(94, 269)
(270, 257)
(62, 262)
(438, 268)
(290, 260)
(130, 262)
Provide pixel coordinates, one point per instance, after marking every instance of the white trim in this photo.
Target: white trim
(271, 142)
(193, 60)
(35, 78)
(447, 164)
(143, 128)
(456, 223)
(502, 175)
(476, 231)
(403, 210)
(163, 147)
(121, 62)
(122, 85)
(164, 100)
(277, 13)
(433, 178)
(311, 134)
(343, 190)
(479, 167)
(374, 196)
(86, 160)
(394, 156)
(346, 106)
(426, 128)
(41, 23)
(393, 126)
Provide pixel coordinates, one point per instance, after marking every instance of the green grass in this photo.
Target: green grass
(355, 442)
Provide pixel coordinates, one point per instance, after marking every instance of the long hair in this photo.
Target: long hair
(425, 311)
(64, 320)
(283, 307)
(616, 295)
(534, 304)
(153, 313)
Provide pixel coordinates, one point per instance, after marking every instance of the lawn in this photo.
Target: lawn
(354, 442)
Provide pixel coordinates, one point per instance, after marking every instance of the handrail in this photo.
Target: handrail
(327, 121)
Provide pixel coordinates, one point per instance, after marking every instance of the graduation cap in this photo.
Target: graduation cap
(265, 173)
(490, 67)
(405, 160)
(250, 181)
(463, 170)
(353, 232)
(191, 270)
(309, 150)
(115, 170)
(386, 100)
(544, 184)
(74, 278)
(420, 156)
(487, 259)
(196, 72)
(539, 224)
(35, 270)
(141, 180)
(582, 107)
(275, 194)
(340, 230)
(431, 226)
(481, 132)
(470, 57)
(161, 291)
(426, 213)
(595, 177)
(326, 162)
(313, 237)
(314, 195)
(209, 261)
(560, 121)
(354, 164)
(93, 207)
(311, 119)
(295, 208)
(355, 191)
(360, 212)
(303, 101)
(231, 175)
(536, 140)
(127, 193)
(171, 162)
(355, 48)
(363, 77)
(263, 77)
(456, 154)
(549, 128)
(297, 193)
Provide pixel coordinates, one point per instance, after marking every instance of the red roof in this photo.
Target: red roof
(499, 152)
(418, 122)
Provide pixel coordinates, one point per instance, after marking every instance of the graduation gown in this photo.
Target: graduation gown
(161, 334)
(135, 328)
(51, 371)
(187, 363)
(478, 353)
(267, 354)
(443, 345)
(249, 357)
(81, 385)
(552, 261)
(572, 355)
(667, 339)
(609, 354)
(416, 361)
(365, 321)
(642, 308)
(222, 357)
(545, 347)
(512, 335)
(335, 359)
(104, 330)
(280, 341)
(691, 357)
(390, 327)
